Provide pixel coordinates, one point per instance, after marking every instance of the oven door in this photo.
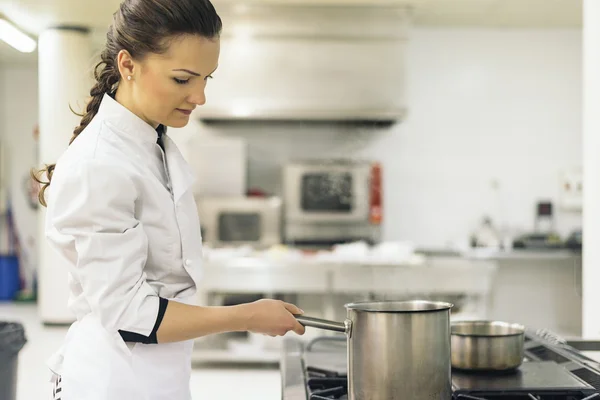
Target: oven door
(240, 221)
(327, 193)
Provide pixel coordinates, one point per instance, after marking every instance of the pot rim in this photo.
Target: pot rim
(398, 306)
(520, 329)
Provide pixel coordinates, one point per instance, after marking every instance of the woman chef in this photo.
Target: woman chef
(122, 215)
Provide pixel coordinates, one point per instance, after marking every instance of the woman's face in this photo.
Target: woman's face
(167, 87)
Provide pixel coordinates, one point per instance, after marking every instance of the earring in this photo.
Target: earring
(129, 78)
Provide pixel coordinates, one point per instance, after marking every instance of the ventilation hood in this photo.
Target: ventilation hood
(309, 63)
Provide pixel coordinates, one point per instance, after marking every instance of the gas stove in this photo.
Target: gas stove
(551, 370)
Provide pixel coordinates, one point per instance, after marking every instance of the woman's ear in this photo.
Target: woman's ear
(126, 65)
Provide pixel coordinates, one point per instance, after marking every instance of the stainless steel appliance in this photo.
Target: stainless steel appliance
(238, 221)
(544, 236)
(323, 47)
(551, 370)
(408, 340)
(332, 201)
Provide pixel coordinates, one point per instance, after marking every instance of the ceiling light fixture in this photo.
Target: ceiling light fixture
(15, 37)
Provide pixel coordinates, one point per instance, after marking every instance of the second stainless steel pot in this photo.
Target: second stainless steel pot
(396, 350)
(487, 345)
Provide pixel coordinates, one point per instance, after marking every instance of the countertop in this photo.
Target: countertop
(589, 347)
(515, 254)
(291, 258)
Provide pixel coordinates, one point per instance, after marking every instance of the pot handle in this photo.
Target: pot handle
(326, 324)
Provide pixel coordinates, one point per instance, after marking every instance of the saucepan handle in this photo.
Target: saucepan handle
(323, 323)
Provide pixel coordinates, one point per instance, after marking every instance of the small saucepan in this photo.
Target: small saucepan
(487, 345)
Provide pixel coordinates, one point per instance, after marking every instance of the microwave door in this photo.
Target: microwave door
(330, 196)
(239, 227)
(326, 192)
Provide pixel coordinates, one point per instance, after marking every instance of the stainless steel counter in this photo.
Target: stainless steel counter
(517, 254)
(590, 348)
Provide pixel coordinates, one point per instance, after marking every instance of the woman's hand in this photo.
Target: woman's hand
(272, 317)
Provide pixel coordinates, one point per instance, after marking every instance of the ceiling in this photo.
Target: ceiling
(35, 15)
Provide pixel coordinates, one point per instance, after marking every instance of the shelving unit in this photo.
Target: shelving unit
(471, 279)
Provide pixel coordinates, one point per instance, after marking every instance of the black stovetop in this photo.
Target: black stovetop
(549, 372)
(540, 379)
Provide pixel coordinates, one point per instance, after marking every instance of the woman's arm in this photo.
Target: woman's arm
(271, 317)
(92, 221)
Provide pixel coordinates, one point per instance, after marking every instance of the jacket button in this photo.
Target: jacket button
(188, 263)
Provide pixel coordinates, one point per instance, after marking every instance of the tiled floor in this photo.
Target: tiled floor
(250, 384)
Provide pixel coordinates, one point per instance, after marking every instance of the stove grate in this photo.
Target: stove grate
(326, 385)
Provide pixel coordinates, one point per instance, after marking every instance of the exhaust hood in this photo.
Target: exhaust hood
(309, 63)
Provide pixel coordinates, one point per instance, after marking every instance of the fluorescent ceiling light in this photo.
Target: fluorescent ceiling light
(15, 38)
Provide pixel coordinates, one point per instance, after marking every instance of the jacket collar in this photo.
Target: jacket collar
(122, 119)
(182, 176)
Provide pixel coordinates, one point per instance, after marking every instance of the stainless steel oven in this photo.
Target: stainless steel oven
(238, 221)
(332, 201)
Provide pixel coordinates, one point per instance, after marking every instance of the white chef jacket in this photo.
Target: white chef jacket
(122, 215)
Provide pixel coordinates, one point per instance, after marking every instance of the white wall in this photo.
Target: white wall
(484, 106)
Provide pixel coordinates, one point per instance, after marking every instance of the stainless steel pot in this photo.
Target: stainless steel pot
(487, 345)
(396, 350)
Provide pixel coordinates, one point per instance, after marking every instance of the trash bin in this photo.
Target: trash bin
(12, 340)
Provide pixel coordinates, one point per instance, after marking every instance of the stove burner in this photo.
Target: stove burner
(326, 385)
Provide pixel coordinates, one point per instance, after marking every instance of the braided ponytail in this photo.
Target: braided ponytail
(107, 76)
(140, 27)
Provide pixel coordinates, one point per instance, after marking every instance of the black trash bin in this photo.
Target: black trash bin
(12, 340)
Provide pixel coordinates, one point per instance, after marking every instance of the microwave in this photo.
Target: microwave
(332, 201)
(239, 221)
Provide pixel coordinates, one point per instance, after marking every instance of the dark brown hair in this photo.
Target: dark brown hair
(140, 27)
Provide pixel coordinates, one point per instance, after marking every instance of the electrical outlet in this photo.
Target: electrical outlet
(571, 189)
